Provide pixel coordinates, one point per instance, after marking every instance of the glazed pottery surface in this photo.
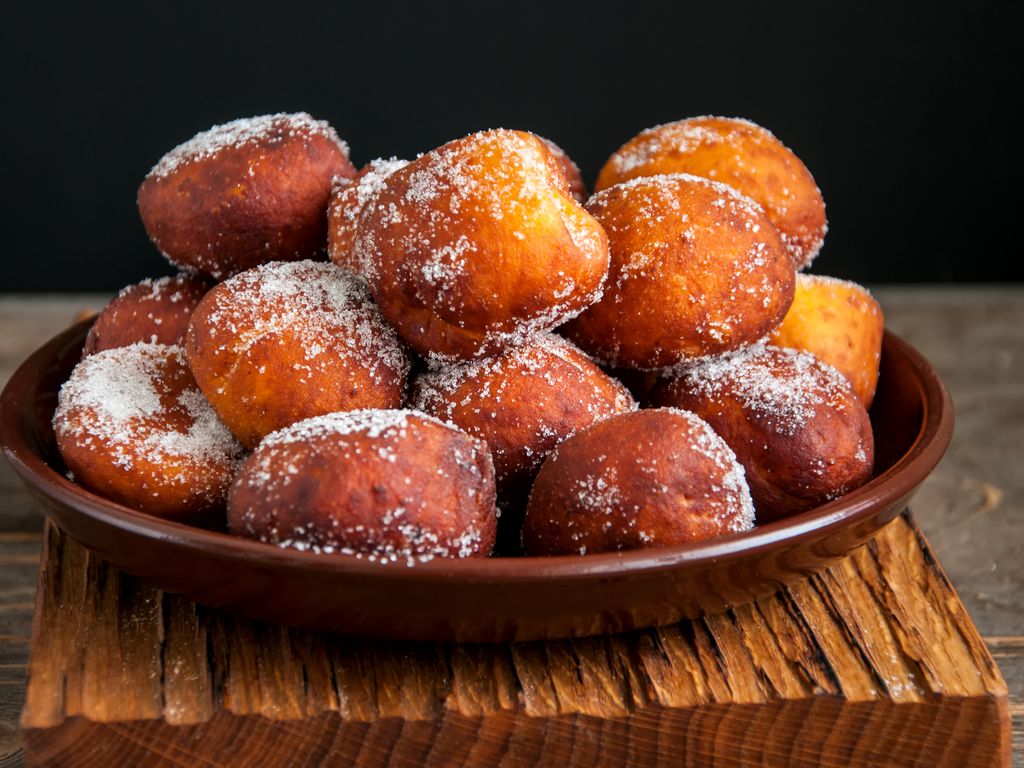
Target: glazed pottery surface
(524, 598)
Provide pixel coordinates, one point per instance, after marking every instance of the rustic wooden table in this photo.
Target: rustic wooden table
(970, 508)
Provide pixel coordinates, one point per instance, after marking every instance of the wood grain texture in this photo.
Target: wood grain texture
(873, 662)
(970, 507)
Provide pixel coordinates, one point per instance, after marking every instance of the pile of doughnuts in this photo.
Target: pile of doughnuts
(465, 355)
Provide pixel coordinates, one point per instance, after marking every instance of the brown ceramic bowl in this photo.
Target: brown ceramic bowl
(490, 599)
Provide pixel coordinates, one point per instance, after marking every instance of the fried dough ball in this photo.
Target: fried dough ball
(291, 340)
(348, 199)
(795, 424)
(522, 403)
(569, 169)
(741, 154)
(697, 269)
(650, 478)
(132, 425)
(841, 324)
(154, 311)
(244, 193)
(387, 485)
(478, 244)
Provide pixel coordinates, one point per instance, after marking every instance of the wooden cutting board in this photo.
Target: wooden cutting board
(874, 662)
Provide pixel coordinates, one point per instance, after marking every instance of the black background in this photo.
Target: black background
(901, 111)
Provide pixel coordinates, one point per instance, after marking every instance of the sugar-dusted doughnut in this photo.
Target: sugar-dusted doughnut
(478, 244)
(841, 324)
(290, 340)
(245, 193)
(132, 425)
(741, 154)
(650, 478)
(387, 485)
(522, 402)
(696, 269)
(348, 199)
(795, 424)
(155, 311)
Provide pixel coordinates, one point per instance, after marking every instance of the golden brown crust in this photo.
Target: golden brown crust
(390, 486)
(291, 340)
(797, 427)
(348, 200)
(132, 426)
(649, 478)
(153, 311)
(740, 154)
(476, 245)
(696, 269)
(244, 193)
(841, 324)
(522, 403)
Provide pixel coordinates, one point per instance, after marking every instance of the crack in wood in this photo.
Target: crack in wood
(817, 659)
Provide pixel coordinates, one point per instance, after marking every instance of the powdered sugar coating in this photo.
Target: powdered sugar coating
(780, 388)
(385, 485)
(663, 184)
(135, 412)
(243, 132)
(742, 154)
(156, 311)
(348, 200)
(369, 182)
(524, 401)
(245, 193)
(482, 241)
(696, 268)
(289, 340)
(167, 288)
(829, 280)
(649, 478)
(795, 423)
(735, 507)
(677, 138)
(840, 323)
(732, 482)
(521, 334)
(321, 306)
(371, 422)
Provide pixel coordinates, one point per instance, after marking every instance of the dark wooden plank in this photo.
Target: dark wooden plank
(872, 662)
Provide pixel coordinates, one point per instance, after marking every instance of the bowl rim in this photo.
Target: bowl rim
(899, 480)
